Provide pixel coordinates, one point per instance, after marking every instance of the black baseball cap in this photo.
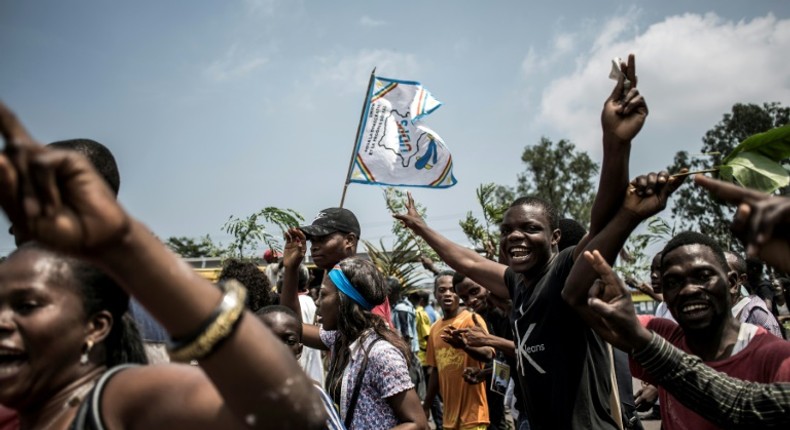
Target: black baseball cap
(331, 220)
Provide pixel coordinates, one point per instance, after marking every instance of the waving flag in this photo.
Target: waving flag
(394, 147)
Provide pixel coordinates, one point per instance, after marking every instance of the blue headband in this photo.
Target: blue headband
(342, 283)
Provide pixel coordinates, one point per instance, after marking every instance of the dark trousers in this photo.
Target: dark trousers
(496, 409)
(436, 407)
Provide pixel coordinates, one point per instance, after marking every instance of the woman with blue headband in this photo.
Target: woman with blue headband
(368, 376)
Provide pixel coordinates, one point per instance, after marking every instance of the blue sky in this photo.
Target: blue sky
(218, 108)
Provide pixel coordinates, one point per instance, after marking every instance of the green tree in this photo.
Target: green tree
(249, 232)
(400, 261)
(189, 247)
(634, 261)
(694, 209)
(561, 175)
(484, 234)
(395, 199)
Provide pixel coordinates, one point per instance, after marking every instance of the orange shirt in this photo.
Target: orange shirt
(465, 405)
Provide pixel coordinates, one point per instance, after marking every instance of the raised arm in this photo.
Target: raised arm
(646, 196)
(57, 199)
(644, 288)
(293, 255)
(725, 401)
(428, 264)
(489, 274)
(624, 113)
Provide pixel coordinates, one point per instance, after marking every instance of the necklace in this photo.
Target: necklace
(73, 401)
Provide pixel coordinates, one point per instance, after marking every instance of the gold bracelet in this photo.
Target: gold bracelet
(231, 308)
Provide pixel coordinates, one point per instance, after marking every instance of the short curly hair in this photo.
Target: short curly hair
(100, 157)
(693, 238)
(257, 283)
(548, 209)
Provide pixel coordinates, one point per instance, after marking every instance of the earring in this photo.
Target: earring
(85, 352)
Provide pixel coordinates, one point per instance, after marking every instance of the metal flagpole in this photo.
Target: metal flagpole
(359, 130)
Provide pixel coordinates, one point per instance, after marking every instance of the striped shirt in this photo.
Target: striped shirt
(725, 401)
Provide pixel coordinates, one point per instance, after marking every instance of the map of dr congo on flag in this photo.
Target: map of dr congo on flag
(409, 148)
(394, 147)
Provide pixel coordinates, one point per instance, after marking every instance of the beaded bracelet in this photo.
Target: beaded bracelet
(219, 326)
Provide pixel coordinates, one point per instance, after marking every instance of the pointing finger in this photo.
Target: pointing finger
(730, 193)
(12, 130)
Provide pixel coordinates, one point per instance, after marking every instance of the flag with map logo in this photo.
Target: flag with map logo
(394, 147)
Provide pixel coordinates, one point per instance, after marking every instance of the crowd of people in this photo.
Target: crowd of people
(544, 338)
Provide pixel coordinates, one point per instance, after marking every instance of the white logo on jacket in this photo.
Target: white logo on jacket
(523, 351)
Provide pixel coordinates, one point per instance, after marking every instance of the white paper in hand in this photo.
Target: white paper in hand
(616, 72)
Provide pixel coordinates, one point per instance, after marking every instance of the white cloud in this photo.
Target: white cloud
(561, 45)
(367, 21)
(263, 7)
(345, 72)
(340, 75)
(615, 29)
(235, 63)
(692, 69)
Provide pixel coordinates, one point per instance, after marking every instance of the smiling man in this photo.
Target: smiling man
(465, 405)
(562, 364)
(696, 282)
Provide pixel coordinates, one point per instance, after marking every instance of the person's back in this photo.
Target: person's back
(404, 320)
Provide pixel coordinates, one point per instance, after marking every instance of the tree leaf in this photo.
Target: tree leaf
(756, 171)
(774, 144)
(693, 208)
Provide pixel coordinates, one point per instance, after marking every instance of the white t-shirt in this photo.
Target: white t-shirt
(311, 358)
(662, 311)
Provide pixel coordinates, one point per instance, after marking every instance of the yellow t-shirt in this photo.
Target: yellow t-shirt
(423, 331)
(465, 405)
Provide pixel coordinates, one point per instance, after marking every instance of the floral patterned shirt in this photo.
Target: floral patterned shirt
(387, 374)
